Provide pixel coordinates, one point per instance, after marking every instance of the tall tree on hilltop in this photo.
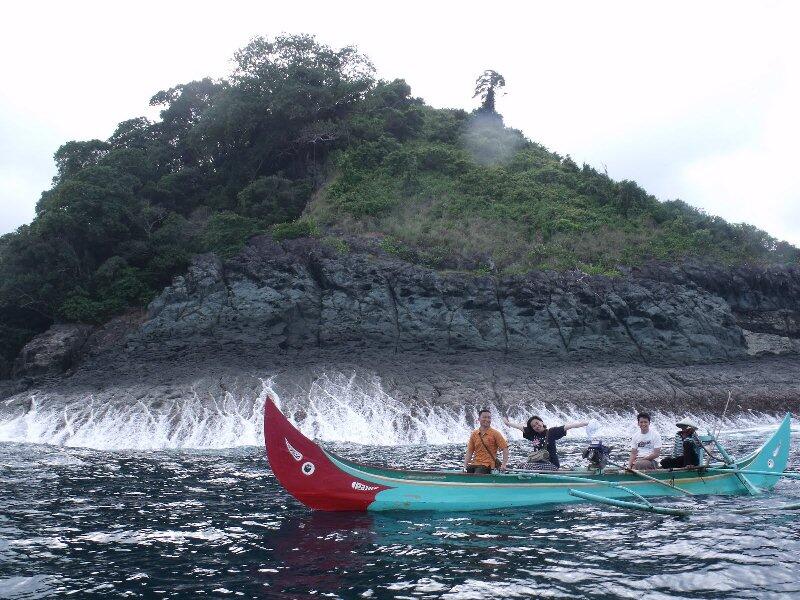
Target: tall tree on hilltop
(485, 87)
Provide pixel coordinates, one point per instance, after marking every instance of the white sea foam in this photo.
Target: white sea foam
(336, 408)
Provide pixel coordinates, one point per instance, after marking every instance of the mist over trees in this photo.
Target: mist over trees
(303, 139)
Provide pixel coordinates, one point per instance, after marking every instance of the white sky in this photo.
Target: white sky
(693, 100)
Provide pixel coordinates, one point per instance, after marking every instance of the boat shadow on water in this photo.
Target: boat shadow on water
(350, 552)
(316, 551)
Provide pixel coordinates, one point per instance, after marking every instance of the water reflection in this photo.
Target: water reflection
(318, 552)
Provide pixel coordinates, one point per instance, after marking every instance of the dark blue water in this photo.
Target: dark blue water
(90, 524)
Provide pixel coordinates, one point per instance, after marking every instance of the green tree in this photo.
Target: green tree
(181, 190)
(184, 106)
(72, 157)
(485, 86)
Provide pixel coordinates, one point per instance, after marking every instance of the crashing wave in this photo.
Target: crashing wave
(336, 408)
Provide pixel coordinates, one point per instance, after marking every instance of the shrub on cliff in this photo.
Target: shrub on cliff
(273, 199)
(227, 233)
(292, 230)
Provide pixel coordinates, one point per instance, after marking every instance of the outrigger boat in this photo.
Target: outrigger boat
(324, 481)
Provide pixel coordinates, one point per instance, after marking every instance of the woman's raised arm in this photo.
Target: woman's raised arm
(568, 426)
(508, 423)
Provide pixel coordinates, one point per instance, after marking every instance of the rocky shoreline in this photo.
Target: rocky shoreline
(659, 335)
(762, 384)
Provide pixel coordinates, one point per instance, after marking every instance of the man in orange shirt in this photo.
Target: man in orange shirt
(483, 446)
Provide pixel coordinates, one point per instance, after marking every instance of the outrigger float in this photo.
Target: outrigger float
(324, 481)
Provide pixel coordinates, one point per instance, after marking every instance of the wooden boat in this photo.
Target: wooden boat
(324, 481)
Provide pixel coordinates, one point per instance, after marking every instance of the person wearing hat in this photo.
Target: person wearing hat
(685, 452)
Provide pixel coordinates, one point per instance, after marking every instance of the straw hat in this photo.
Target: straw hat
(688, 423)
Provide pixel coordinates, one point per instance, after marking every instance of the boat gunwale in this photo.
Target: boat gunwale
(690, 473)
(497, 480)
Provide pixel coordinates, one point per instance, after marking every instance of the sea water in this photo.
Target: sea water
(179, 501)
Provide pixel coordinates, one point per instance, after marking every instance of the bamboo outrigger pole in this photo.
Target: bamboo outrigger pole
(754, 472)
(644, 505)
(758, 509)
(654, 479)
(751, 489)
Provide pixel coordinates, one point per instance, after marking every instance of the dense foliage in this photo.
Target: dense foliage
(468, 192)
(301, 140)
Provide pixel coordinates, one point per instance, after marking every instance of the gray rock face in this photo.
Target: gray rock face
(677, 337)
(52, 352)
(766, 343)
(114, 332)
(762, 299)
(301, 295)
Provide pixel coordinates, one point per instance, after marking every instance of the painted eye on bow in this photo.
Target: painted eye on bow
(295, 454)
(307, 468)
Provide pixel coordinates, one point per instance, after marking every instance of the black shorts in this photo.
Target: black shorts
(479, 469)
(541, 466)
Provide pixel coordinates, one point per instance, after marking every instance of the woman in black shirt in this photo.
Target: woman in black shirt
(544, 455)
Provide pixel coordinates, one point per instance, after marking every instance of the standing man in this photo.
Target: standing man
(645, 445)
(481, 456)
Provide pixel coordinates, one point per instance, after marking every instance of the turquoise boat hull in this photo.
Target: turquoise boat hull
(325, 481)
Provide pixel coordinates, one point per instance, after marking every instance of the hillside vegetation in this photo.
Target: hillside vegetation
(466, 192)
(302, 139)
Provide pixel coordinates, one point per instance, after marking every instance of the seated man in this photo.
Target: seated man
(645, 445)
(686, 449)
(481, 456)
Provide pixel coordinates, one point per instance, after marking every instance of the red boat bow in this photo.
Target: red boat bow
(303, 468)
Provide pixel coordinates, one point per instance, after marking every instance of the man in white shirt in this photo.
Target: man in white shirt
(645, 445)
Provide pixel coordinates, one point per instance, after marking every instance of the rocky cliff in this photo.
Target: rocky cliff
(300, 295)
(300, 308)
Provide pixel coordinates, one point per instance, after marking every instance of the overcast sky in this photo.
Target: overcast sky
(697, 101)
